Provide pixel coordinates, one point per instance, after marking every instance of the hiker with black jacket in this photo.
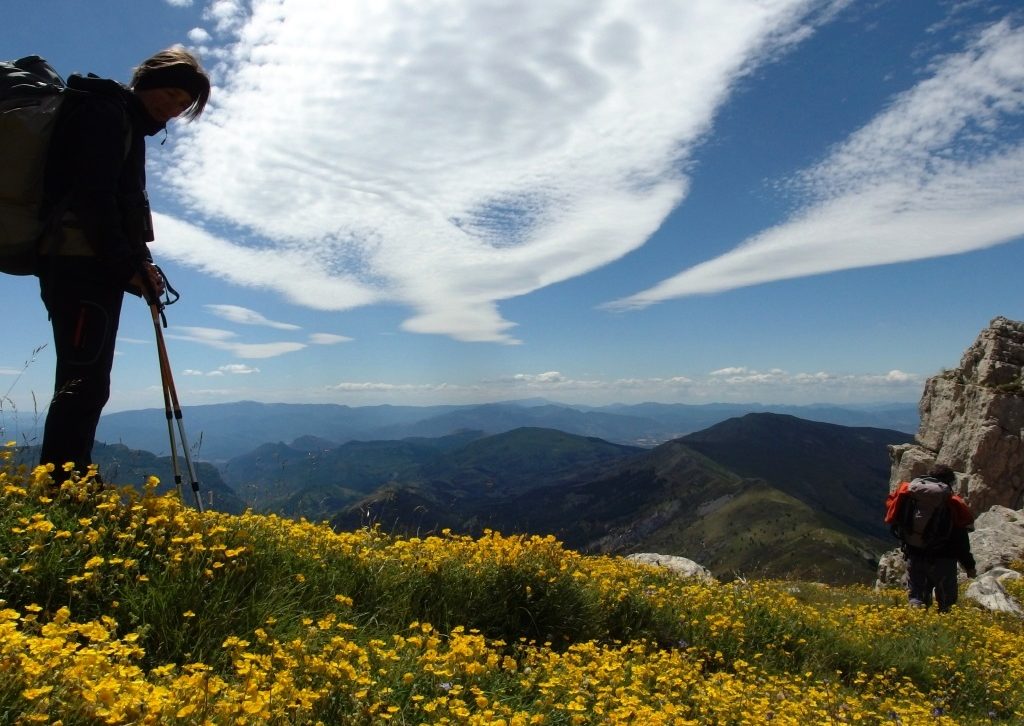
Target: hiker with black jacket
(95, 184)
(933, 524)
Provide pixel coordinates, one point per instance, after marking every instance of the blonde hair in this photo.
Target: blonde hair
(175, 67)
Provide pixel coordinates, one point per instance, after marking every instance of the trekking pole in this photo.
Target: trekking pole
(168, 411)
(171, 405)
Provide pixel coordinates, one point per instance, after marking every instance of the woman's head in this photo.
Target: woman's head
(943, 473)
(172, 83)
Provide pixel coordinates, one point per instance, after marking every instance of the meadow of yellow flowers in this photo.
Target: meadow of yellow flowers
(126, 608)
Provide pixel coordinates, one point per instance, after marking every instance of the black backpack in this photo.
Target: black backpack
(31, 96)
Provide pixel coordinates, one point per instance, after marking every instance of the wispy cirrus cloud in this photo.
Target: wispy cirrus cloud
(232, 369)
(447, 155)
(227, 341)
(327, 338)
(376, 387)
(939, 172)
(245, 316)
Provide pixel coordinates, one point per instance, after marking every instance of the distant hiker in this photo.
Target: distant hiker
(96, 181)
(933, 524)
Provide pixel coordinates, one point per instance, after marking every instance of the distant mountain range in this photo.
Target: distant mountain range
(223, 431)
(763, 495)
(755, 493)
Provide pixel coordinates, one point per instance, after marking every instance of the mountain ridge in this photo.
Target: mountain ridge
(228, 430)
(675, 499)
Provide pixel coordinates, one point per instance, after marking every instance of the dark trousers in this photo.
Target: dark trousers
(84, 310)
(926, 574)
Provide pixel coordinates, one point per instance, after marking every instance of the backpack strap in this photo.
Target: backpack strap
(962, 515)
(59, 217)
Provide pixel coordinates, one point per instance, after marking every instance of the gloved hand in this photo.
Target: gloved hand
(972, 573)
(149, 282)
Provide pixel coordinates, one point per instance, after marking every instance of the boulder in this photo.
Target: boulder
(1004, 574)
(892, 570)
(679, 565)
(998, 538)
(988, 592)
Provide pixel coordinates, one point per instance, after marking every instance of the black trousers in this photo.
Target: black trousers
(84, 308)
(925, 574)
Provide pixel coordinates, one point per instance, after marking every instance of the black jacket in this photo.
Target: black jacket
(97, 168)
(957, 547)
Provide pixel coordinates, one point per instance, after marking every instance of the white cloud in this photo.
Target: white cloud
(555, 382)
(179, 3)
(199, 36)
(898, 376)
(238, 369)
(741, 377)
(731, 371)
(203, 335)
(448, 155)
(301, 280)
(245, 316)
(232, 369)
(733, 384)
(549, 377)
(377, 387)
(927, 177)
(224, 340)
(327, 338)
(227, 15)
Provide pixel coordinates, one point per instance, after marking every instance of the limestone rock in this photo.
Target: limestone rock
(679, 565)
(990, 594)
(1004, 574)
(998, 538)
(972, 418)
(892, 570)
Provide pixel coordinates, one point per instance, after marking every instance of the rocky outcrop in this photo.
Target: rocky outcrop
(998, 538)
(679, 565)
(972, 418)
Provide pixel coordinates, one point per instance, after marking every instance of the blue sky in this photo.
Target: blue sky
(593, 201)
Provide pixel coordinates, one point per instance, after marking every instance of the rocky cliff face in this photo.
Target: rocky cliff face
(972, 418)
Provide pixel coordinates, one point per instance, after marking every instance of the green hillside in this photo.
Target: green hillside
(764, 495)
(763, 532)
(126, 609)
(836, 469)
(675, 500)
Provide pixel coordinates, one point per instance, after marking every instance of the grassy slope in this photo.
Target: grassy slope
(120, 609)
